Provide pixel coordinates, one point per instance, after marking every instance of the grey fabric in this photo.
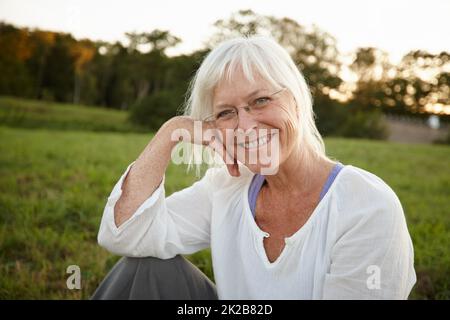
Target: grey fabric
(151, 278)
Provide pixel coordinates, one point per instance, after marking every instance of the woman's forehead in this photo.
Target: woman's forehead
(240, 86)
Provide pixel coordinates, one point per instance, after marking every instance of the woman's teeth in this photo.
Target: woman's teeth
(256, 143)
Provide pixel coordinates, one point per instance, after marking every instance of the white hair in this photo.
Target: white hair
(263, 55)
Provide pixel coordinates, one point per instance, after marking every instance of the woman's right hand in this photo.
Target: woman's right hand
(185, 128)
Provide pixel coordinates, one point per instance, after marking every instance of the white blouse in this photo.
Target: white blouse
(355, 245)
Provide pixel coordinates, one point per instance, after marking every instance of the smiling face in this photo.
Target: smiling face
(256, 136)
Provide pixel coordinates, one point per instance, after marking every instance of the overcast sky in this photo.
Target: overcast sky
(396, 26)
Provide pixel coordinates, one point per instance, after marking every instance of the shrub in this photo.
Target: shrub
(365, 124)
(152, 111)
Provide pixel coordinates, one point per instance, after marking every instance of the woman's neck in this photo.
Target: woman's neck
(301, 173)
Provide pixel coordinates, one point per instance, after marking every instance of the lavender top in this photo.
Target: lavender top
(258, 181)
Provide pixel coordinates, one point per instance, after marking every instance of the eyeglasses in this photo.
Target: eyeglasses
(228, 118)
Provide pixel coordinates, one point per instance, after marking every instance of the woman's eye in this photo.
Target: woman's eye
(261, 101)
(225, 113)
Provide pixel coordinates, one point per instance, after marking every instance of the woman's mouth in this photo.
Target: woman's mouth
(257, 143)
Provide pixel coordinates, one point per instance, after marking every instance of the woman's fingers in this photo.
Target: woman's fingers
(219, 146)
(233, 169)
(206, 134)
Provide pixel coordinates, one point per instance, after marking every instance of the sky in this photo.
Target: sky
(396, 26)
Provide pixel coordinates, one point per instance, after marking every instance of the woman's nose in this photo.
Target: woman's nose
(245, 120)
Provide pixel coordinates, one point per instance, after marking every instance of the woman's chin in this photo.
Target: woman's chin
(263, 169)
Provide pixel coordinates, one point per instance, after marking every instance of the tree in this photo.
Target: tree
(414, 86)
(82, 53)
(15, 78)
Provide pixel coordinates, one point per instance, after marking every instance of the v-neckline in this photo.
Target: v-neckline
(288, 241)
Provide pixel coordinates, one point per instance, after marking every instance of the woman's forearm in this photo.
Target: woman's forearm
(147, 172)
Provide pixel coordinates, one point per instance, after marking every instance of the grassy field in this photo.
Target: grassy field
(54, 184)
(23, 113)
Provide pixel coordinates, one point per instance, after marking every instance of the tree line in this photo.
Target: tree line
(139, 76)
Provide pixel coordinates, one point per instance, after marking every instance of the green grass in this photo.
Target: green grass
(53, 187)
(23, 113)
(54, 184)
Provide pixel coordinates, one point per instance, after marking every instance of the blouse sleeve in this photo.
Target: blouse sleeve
(161, 227)
(373, 256)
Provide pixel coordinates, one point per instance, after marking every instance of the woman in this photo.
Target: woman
(309, 228)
